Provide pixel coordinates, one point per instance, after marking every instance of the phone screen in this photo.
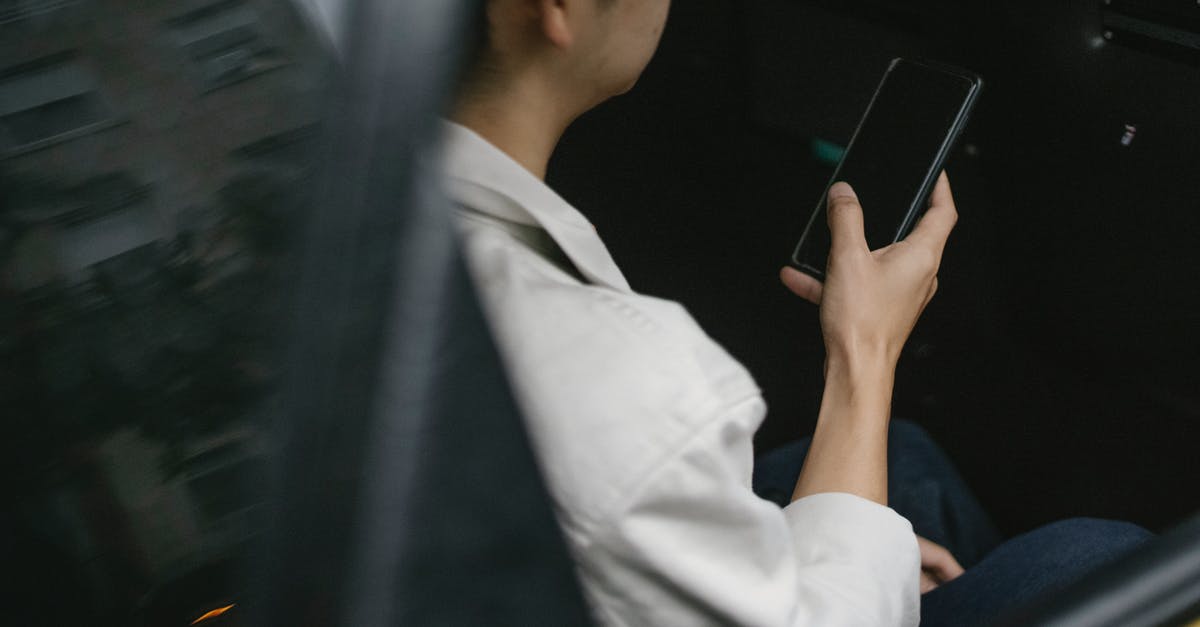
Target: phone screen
(896, 154)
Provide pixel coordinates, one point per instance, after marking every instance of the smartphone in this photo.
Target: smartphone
(896, 154)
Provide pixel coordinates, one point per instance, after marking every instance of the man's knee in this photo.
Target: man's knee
(904, 435)
(1111, 532)
(908, 431)
(1087, 542)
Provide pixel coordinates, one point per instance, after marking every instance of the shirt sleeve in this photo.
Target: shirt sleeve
(694, 546)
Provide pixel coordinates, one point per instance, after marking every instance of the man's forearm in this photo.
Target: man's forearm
(849, 448)
(870, 301)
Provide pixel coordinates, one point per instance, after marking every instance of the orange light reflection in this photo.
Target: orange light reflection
(213, 614)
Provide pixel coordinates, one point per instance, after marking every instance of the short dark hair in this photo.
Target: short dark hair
(478, 36)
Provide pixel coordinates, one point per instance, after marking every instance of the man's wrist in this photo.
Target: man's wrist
(861, 366)
(860, 388)
(849, 448)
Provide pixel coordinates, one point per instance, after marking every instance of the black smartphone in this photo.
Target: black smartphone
(896, 154)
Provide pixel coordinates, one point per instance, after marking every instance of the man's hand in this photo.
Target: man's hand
(938, 566)
(871, 300)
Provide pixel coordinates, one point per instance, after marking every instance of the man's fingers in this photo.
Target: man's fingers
(938, 561)
(802, 285)
(934, 228)
(928, 583)
(845, 218)
(948, 569)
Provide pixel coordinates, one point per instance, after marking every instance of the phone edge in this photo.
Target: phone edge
(914, 211)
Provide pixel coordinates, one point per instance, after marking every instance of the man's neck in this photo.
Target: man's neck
(523, 122)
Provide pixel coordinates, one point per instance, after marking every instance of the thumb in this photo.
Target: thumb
(845, 218)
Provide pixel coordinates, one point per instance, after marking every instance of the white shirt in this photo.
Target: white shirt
(642, 425)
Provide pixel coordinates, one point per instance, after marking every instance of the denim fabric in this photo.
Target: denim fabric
(924, 487)
(1026, 567)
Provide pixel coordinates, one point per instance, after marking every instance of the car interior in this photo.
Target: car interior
(245, 378)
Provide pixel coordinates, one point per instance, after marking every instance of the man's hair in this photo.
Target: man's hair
(478, 38)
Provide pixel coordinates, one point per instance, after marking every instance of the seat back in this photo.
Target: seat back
(409, 494)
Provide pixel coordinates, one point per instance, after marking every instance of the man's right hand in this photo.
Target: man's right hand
(869, 304)
(871, 300)
(938, 566)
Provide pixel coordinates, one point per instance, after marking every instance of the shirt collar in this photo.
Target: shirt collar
(481, 177)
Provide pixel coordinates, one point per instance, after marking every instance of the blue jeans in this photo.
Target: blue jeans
(924, 487)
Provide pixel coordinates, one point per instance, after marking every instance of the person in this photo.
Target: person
(643, 425)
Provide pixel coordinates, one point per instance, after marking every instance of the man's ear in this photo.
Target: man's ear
(555, 17)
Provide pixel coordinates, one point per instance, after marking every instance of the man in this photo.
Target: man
(642, 424)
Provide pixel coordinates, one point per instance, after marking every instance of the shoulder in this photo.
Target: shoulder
(547, 315)
(611, 383)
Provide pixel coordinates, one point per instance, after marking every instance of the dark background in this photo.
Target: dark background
(1058, 363)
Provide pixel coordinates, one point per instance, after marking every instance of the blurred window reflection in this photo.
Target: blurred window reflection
(149, 166)
(48, 100)
(223, 40)
(29, 10)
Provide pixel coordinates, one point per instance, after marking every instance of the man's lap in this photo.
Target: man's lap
(1026, 567)
(924, 487)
